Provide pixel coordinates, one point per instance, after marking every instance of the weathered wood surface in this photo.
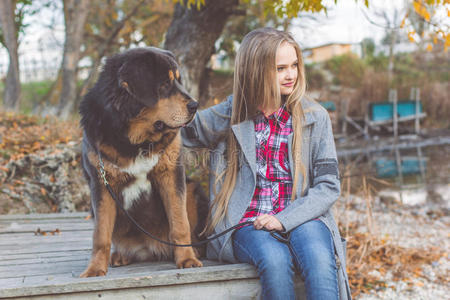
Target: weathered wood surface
(47, 266)
(390, 144)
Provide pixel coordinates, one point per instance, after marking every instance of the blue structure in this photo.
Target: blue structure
(387, 167)
(384, 111)
(328, 105)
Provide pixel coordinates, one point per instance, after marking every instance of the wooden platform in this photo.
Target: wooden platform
(47, 265)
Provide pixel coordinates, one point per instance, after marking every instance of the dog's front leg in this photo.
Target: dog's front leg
(172, 188)
(105, 216)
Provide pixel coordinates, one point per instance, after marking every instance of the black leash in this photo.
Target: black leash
(113, 195)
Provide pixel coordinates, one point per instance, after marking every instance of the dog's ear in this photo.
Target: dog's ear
(123, 82)
(136, 77)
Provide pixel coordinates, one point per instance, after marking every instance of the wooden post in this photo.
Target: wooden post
(421, 164)
(398, 161)
(393, 99)
(417, 120)
(343, 115)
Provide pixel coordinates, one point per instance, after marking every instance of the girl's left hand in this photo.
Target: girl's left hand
(267, 221)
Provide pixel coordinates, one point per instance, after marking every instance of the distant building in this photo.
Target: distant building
(325, 52)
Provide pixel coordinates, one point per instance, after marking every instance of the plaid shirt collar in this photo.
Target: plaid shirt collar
(281, 116)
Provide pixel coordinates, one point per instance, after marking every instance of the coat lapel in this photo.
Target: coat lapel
(309, 120)
(245, 134)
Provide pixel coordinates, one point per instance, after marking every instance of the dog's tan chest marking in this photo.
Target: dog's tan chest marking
(139, 169)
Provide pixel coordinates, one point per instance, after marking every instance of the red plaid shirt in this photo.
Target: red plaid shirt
(273, 176)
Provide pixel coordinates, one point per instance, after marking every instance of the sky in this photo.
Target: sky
(344, 23)
(347, 21)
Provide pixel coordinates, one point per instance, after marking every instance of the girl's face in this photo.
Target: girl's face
(287, 67)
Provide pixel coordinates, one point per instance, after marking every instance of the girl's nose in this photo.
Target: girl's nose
(289, 74)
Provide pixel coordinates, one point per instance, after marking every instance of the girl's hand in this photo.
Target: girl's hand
(269, 222)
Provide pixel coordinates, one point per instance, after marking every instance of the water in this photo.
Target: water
(414, 176)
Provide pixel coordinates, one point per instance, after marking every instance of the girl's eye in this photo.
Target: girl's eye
(279, 69)
(295, 65)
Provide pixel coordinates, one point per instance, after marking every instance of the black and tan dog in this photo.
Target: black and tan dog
(132, 117)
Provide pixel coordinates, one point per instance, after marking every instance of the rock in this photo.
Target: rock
(51, 180)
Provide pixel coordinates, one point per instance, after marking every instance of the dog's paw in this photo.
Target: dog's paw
(93, 272)
(190, 262)
(118, 260)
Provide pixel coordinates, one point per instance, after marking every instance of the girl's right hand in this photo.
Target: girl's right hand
(268, 222)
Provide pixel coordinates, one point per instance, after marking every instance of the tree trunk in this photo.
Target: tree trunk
(11, 98)
(391, 56)
(75, 15)
(191, 37)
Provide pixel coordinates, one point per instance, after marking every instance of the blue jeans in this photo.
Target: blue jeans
(310, 251)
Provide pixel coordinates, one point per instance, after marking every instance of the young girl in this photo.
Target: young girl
(273, 163)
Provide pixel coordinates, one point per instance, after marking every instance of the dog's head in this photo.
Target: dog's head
(151, 76)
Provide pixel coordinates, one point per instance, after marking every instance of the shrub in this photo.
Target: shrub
(347, 69)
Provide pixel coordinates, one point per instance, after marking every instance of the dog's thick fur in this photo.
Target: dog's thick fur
(132, 116)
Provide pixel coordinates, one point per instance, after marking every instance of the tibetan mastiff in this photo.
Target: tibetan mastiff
(131, 119)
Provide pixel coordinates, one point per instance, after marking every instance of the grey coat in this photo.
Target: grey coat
(322, 180)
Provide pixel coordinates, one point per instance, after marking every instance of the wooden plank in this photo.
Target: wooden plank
(22, 256)
(12, 263)
(376, 147)
(231, 289)
(27, 237)
(76, 215)
(37, 221)
(149, 267)
(19, 227)
(147, 279)
(217, 290)
(77, 266)
(43, 268)
(46, 247)
(43, 240)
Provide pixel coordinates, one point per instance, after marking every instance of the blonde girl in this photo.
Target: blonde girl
(273, 162)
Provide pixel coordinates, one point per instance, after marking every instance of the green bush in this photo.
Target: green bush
(314, 77)
(347, 69)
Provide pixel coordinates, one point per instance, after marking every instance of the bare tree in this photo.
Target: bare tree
(106, 44)
(75, 14)
(12, 89)
(390, 21)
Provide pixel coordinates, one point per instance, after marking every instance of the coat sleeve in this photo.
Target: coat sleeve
(325, 187)
(208, 126)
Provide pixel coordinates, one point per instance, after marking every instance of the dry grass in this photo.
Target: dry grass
(368, 252)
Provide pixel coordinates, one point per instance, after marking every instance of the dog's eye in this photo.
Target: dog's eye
(159, 125)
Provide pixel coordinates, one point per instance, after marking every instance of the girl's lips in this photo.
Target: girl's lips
(289, 84)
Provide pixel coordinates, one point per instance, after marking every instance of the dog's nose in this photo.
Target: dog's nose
(192, 106)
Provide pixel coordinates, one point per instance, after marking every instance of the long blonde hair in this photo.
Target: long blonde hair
(256, 85)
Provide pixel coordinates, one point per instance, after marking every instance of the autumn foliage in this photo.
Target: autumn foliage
(24, 134)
